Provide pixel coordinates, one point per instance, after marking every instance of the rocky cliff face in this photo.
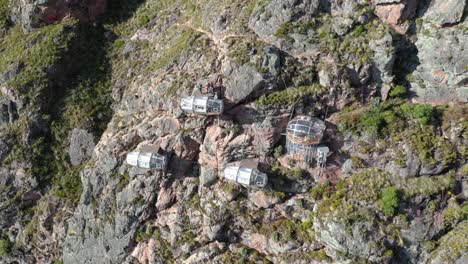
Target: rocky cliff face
(85, 82)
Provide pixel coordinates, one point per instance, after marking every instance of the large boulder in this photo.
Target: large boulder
(81, 146)
(445, 12)
(33, 13)
(396, 13)
(442, 75)
(241, 81)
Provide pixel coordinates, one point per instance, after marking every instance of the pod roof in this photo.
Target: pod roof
(305, 130)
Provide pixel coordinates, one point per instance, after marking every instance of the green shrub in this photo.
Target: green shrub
(388, 253)
(398, 91)
(164, 249)
(358, 162)
(424, 112)
(373, 121)
(390, 200)
(143, 20)
(425, 144)
(5, 247)
(119, 43)
(3, 13)
(296, 173)
(143, 234)
(321, 191)
(454, 214)
(359, 30)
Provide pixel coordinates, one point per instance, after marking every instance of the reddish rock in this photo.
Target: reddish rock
(258, 242)
(59, 10)
(396, 13)
(165, 199)
(440, 76)
(144, 252)
(263, 200)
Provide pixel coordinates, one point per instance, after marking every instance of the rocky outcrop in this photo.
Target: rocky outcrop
(445, 13)
(32, 14)
(268, 19)
(438, 78)
(352, 240)
(384, 58)
(452, 247)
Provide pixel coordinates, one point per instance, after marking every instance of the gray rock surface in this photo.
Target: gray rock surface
(438, 78)
(266, 21)
(384, 58)
(353, 240)
(81, 146)
(443, 12)
(242, 81)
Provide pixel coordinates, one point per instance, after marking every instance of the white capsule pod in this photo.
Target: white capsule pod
(202, 105)
(246, 176)
(150, 157)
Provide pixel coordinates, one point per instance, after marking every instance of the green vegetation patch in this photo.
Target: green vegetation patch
(181, 41)
(398, 91)
(398, 121)
(352, 48)
(5, 247)
(83, 102)
(390, 200)
(424, 112)
(35, 52)
(453, 245)
(390, 118)
(291, 96)
(240, 48)
(359, 194)
(454, 213)
(243, 255)
(288, 230)
(299, 27)
(86, 105)
(4, 13)
(284, 30)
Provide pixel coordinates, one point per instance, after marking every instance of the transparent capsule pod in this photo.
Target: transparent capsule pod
(246, 175)
(303, 135)
(306, 130)
(148, 158)
(203, 105)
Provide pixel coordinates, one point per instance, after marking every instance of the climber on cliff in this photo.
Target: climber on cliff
(218, 88)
